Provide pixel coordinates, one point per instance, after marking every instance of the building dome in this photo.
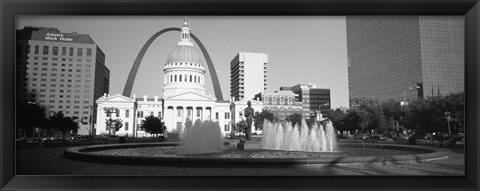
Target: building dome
(184, 54)
(184, 70)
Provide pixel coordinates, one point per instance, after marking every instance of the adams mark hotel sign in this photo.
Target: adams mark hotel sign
(59, 37)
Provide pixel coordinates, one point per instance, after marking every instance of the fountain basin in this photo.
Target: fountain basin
(250, 157)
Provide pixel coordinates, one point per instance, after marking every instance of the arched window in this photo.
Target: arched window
(185, 78)
(175, 78)
(171, 78)
(180, 78)
(190, 78)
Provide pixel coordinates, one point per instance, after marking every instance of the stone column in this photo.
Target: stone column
(184, 116)
(209, 114)
(101, 126)
(174, 119)
(181, 117)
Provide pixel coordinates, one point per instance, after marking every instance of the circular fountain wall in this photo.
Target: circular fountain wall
(171, 154)
(279, 145)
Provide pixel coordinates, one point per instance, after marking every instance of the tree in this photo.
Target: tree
(188, 125)
(35, 117)
(259, 118)
(114, 125)
(295, 119)
(428, 115)
(64, 124)
(455, 104)
(355, 120)
(390, 124)
(337, 117)
(188, 129)
(392, 109)
(375, 120)
(394, 115)
(153, 125)
(241, 126)
(46, 126)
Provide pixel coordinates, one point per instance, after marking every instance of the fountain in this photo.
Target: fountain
(281, 144)
(202, 137)
(280, 136)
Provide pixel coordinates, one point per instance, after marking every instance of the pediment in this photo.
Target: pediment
(116, 98)
(191, 96)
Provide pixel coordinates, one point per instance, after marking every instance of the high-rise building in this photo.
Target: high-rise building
(313, 99)
(62, 72)
(404, 57)
(248, 75)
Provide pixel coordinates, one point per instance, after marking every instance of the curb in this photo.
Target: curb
(81, 153)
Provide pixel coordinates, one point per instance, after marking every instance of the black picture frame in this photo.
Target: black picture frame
(10, 9)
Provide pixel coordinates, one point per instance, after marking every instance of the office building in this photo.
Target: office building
(62, 72)
(248, 75)
(313, 99)
(392, 57)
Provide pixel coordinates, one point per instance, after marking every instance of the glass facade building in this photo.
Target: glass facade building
(415, 56)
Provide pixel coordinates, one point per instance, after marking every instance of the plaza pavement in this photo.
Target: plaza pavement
(50, 161)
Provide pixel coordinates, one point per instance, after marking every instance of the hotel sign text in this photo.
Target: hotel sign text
(58, 37)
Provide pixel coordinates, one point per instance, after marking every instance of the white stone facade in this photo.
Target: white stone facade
(177, 109)
(126, 108)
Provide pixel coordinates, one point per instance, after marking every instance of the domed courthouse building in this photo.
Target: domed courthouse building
(184, 97)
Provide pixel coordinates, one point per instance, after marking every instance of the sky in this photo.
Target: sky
(301, 49)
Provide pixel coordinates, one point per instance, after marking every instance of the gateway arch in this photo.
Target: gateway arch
(127, 90)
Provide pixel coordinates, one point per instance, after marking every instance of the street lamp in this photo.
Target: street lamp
(91, 120)
(447, 116)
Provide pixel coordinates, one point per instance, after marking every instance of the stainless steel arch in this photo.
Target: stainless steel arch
(127, 90)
